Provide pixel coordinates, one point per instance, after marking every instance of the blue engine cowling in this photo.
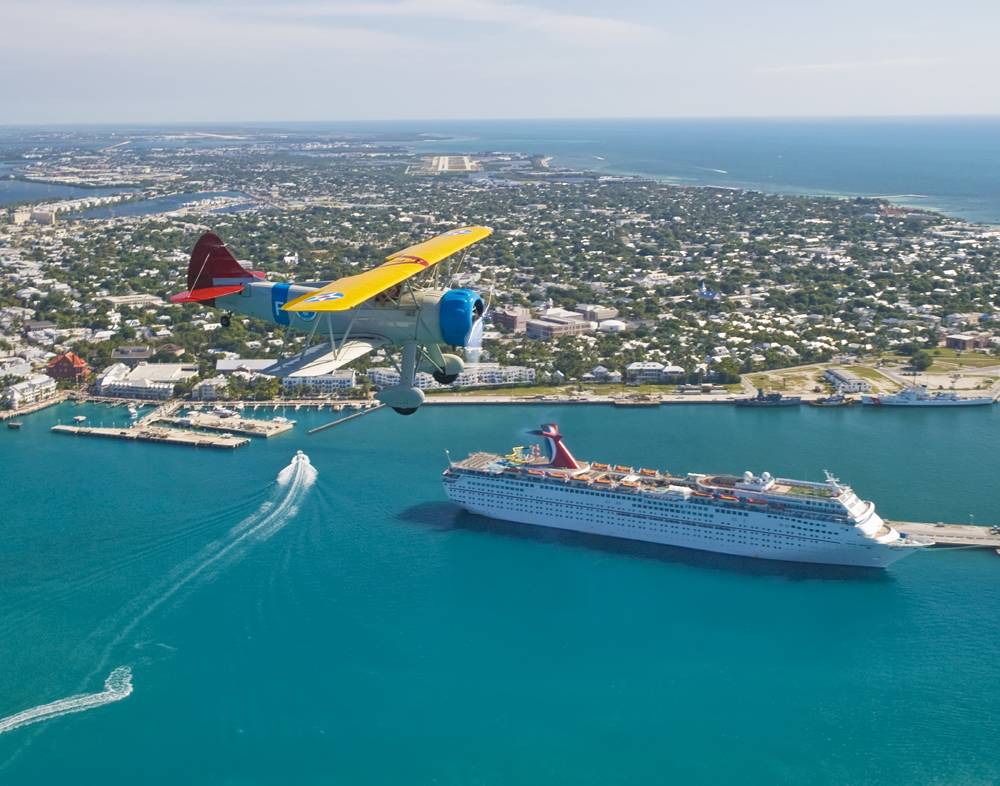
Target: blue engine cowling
(460, 308)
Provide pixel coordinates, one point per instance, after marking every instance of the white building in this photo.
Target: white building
(493, 374)
(146, 380)
(845, 381)
(474, 375)
(210, 389)
(644, 371)
(35, 388)
(341, 379)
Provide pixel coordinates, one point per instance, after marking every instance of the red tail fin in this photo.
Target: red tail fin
(213, 271)
(559, 456)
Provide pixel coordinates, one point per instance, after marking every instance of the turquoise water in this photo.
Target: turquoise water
(12, 191)
(377, 635)
(951, 164)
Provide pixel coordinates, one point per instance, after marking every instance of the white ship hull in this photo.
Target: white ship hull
(885, 401)
(758, 535)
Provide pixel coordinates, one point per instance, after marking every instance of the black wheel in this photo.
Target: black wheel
(444, 379)
(226, 320)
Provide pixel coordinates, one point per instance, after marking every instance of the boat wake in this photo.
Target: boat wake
(117, 686)
(271, 517)
(294, 480)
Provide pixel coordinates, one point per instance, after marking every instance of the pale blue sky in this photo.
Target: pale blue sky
(218, 60)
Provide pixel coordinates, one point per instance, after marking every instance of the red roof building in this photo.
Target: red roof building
(68, 365)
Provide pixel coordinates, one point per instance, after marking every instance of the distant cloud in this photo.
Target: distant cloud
(589, 30)
(853, 66)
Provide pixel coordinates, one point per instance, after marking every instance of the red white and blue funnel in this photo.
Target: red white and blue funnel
(559, 456)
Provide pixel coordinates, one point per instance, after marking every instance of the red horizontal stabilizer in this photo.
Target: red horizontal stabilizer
(207, 293)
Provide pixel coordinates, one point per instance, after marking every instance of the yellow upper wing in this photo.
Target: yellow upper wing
(349, 292)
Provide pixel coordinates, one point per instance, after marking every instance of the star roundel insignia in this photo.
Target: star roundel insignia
(326, 296)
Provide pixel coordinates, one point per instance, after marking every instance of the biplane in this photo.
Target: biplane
(398, 304)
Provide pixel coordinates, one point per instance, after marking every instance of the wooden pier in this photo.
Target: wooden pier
(163, 436)
(232, 425)
(9, 414)
(952, 534)
(345, 419)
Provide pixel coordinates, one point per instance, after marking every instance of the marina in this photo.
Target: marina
(247, 427)
(160, 436)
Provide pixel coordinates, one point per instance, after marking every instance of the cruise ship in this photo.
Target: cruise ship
(747, 515)
(918, 396)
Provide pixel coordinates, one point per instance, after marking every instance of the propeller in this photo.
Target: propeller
(474, 341)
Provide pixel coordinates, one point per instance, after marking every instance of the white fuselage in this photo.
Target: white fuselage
(678, 521)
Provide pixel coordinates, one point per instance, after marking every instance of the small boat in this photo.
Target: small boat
(649, 472)
(629, 484)
(595, 465)
(535, 472)
(620, 468)
(14, 424)
(132, 412)
(700, 494)
(729, 498)
(222, 412)
(282, 421)
(80, 418)
(604, 482)
(836, 400)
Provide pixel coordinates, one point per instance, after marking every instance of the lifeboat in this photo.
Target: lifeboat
(651, 472)
(727, 497)
(535, 472)
(757, 502)
(559, 475)
(620, 468)
(603, 481)
(629, 485)
(700, 494)
(512, 469)
(595, 465)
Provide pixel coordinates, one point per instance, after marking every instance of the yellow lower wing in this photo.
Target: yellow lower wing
(351, 291)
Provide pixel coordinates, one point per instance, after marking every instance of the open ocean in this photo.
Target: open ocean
(346, 625)
(948, 164)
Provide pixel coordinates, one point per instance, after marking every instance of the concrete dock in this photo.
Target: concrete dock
(163, 436)
(952, 534)
(247, 427)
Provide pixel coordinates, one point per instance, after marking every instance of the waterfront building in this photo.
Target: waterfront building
(476, 374)
(846, 381)
(644, 371)
(35, 388)
(210, 389)
(68, 365)
(341, 379)
(146, 380)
